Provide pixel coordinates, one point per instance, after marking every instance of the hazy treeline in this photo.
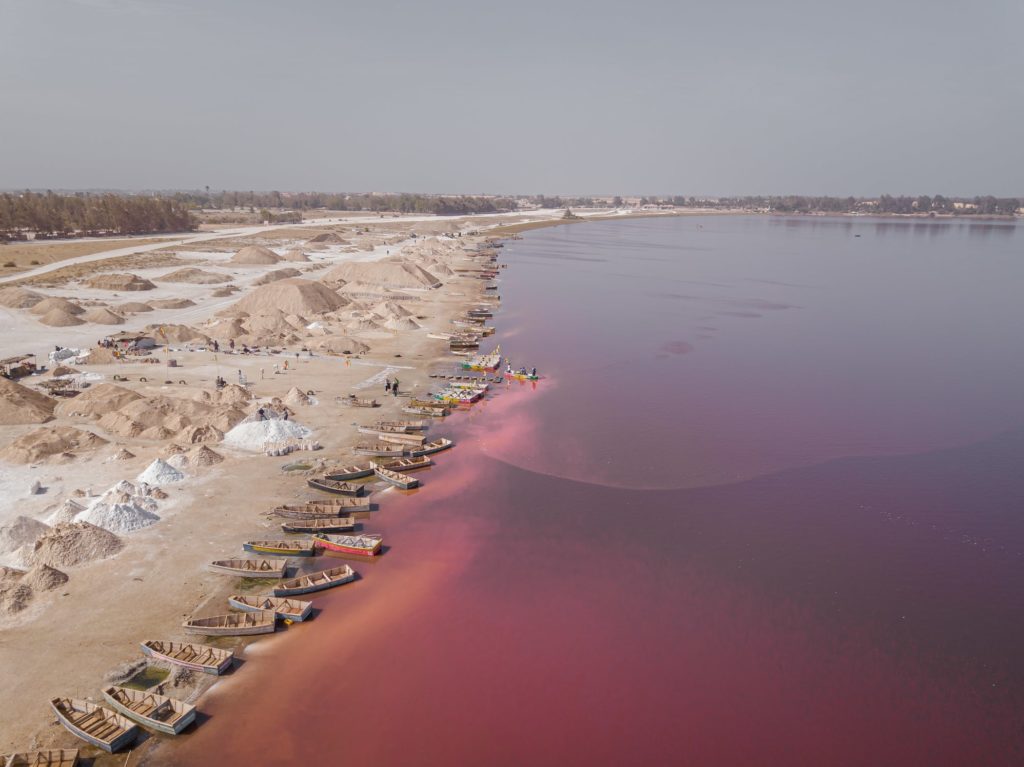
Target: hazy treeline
(58, 215)
(441, 205)
(988, 205)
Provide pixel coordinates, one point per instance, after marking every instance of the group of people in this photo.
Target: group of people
(521, 371)
(391, 386)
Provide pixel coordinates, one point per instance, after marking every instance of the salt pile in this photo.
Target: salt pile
(296, 397)
(257, 436)
(19, 298)
(160, 473)
(120, 512)
(194, 276)
(22, 530)
(291, 296)
(122, 455)
(65, 512)
(255, 254)
(178, 461)
(74, 543)
(119, 282)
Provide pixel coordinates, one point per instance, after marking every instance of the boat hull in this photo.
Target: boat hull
(54, 757)
(294, 591)
(207, 668)
(344, 489)
(267, 550)
(336, 548)
(345, 476)
(115, 744)
(401, 481)
(286, 615)
(228, 631)
(298, 527)
(148, 723)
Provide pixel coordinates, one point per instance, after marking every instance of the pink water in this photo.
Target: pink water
(765, 509)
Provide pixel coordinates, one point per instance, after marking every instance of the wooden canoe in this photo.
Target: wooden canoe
(346, 473)
(231, 624)
(355, 401)
(307, 584)
(401, 439)
(323, 510)
(95, 724)
(427, 404)
(156, 712)
(404, 426)
(394, 478)
(302, 547)
(431, 412)
(251, 568)
(358, 545)
(379, 449)
(333, 525)
(406, 464)
(198, 657)
(55, 757)
(282, 607)
(338, 487)
(434, 446)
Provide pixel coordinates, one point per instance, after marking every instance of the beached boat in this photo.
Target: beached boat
(336, 486)
(406, 464)
(485, 362)
(358, 545)
(346, 473)
(332, 525)
(251, 568)
(402, 439)
(198, 657)
(95, 724)
(400, 481)
(307, 584)
(434, 446)
(54, 757)
(379, 449)
(428, 404)
(463, 344)
(401, 426)
(355, 401)
(322, 511)
(460, 395)
(522, 376)
(156, 712)
(481, 313)
(285, 548)
(281, 607)
(231, 624)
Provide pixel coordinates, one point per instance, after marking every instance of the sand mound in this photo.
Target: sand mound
(62, 370)
(134, 307)
(204, 456)
(49, 304)
(233, 394)
(19, 298)
(101, 315)
(328, 238)
(339, 345)
(160, 473)
(257, 436)
(227, 290)
(74, 543)
(390, 310)
(176, 334)
(402, 323)
(14, 596)
(65, 512)
(19, 532)
(359, 275)
(277, 274)
(97, 401)
(194, 276)
(363, 324)
(122, 455)
(49, 442)
(295, 255)
(255, 254)
(58, 318)
(44, 578)
(119, 282)
(172, 303)
(196, 434)
(291, 296)
(19, 404)
(225, 329)
(296, 397)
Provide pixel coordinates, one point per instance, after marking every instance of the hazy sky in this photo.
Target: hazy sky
(628, 97)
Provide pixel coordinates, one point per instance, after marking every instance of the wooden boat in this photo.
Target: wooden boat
(282, 607)
(251, 568)
(402, 439)
(379, 449)
(346, 473)
(486, 362)
(357, 545)
(460, 395)
(481, 313)
(355, 401)
(406, 464)
(522, 376)
(55, 757)
(156, 712)
(434, 446)
(95, 724)
(286, 548)
(322, 511)
(336, 486)
(432, 412)
(198, 657)
(231, 624)
(307, 584)
(428, 404)
(400, 481)
(332, 525)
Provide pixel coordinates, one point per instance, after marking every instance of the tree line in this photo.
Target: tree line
(426, 204)
(75, 215)
(987, 205)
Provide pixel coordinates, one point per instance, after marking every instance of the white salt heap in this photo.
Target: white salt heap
(160, 473)
(256, 436)
(65, 512)
(122, 509)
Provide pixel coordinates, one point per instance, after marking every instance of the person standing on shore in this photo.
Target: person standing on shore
(387, 385)
(394, 387)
